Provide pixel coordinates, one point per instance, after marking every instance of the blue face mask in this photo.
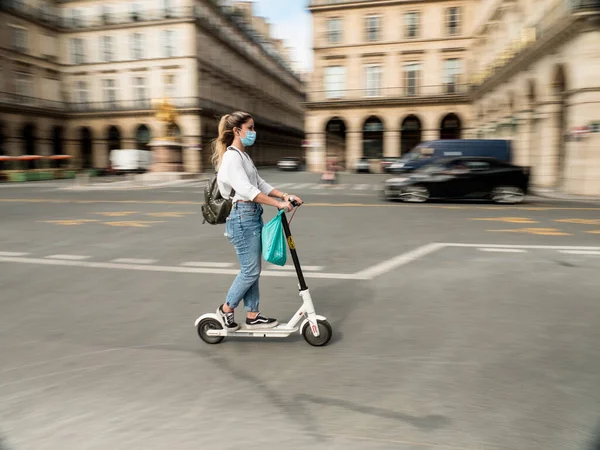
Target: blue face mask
(249, 139)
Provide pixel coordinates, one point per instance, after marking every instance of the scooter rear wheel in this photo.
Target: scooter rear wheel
(325, 333)
(209, 324)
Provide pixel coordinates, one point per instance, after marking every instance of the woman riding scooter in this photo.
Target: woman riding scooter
(244, 225)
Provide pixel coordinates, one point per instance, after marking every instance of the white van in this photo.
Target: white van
(130, 160)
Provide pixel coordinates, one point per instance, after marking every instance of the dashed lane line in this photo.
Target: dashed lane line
(503, 250)
(134, 261)
(580, 252)
(69, 257)
(206, 264)
(13, 254)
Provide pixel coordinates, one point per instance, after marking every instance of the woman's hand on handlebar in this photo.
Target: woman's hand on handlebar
(295, 200)
(286, 206)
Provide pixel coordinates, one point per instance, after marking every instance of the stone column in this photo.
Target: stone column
(315, 152)
(353, 147)
(549, 146)
(391, 143)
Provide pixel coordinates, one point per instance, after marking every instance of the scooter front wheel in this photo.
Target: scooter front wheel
(325, 333)
(209, 324)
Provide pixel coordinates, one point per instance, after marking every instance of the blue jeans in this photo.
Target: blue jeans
(244, 230)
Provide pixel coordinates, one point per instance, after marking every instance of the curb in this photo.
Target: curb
(554, 195)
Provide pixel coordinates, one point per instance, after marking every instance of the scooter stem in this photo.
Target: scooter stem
(292, 247)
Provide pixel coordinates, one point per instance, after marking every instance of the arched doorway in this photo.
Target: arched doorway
(560, 92)
(373, 138)
(335, 140)
(85, 147)
(113, 138)
(410, 134)
(450, 127)
(28, 140)
(142, 137)
(57, 144)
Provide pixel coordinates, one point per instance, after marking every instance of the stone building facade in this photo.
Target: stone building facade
(82, 77)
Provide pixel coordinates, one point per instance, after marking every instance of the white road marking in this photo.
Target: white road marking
(361, 187)
(206, 264)
(13, 254)
(304, 268)
(400, 260)
(302, 185)
(133, 261)
(283, 185)
(542, 247)
(172, 269)
(68, 257)
(580, 252)
(503, 250)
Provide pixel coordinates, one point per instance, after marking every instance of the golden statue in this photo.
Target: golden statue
(166, 112)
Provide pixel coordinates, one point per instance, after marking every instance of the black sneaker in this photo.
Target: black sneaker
(227, 318)
(261, 321)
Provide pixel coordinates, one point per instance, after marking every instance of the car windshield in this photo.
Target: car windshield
(414, 156)
(431, 168)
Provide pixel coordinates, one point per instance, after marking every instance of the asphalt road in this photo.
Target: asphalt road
(456, 325)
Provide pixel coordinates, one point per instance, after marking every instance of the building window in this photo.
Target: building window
(24, 87)
(170, 86)
(136, 12)
(77, 18)
(411, 22)
(19, 39)
(169, 43)
(82, 93)
(137, 46)
(106, 14)
(373, 28)
(109, 91)
(453, 16)
(77, 52)
(452, 73)
(334, 30)
(412, 74)
(107, 48)
(335, 80)
(168, 10)
(373, 80)
(139, 92)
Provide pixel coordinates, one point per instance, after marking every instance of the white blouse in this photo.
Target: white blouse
(237, 171)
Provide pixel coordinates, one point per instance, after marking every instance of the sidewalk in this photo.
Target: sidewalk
(557, 195)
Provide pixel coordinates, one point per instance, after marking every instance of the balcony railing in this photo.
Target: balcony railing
(9, 99)
(48, 15)
(25, 101)
(333, 2)
(394, 93)
(130, 105)
(121, 18)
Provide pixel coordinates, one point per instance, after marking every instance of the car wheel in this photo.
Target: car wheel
(415, 194)
(507, 194)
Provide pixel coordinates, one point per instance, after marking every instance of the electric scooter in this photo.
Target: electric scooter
(315, 329)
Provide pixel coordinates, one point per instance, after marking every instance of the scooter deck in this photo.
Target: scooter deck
(281, 330)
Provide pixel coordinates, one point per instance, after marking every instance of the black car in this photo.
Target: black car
(462, 178)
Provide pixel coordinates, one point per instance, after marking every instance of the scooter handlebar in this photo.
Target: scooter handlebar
(294, 202)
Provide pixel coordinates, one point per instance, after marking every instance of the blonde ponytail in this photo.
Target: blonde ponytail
(226, 125)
